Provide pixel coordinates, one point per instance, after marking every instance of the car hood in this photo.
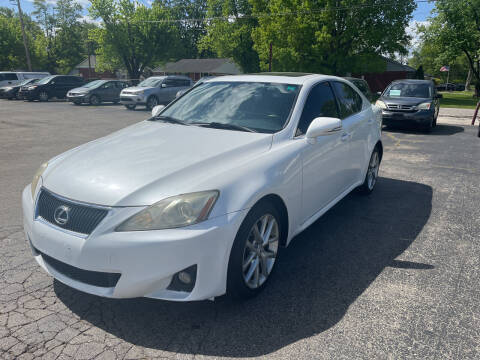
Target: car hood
(81, 89)
(136, 88)
(149, 161)
(404, 100)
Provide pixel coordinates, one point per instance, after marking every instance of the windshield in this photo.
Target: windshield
(94, 83)
(262, 107)
(29, 81)
(409, 90)
(45, 80)
(151, 82)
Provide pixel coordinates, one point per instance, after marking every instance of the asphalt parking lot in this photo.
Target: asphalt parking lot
(393, 275)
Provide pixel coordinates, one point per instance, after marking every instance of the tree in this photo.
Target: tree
(45, 15)
(229, 33)
(133, 35)
(330, 36)
(455, 30)
(12, 52)
(419, 73)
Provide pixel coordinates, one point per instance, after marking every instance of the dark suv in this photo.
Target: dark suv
(410, 101)
(51, 86)
(97, 91)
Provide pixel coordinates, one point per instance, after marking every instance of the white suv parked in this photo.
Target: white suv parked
(12, 77)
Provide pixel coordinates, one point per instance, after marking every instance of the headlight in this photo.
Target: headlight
(138, 92)
(8, 89)
(424, 106)
(31, 87)
(36, 177)
(381, 104)
(173, 212)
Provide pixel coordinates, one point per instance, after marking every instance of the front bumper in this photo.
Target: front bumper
(78, 98)
(146, 261)
(30, 94)
(130, 99)
(420, 117)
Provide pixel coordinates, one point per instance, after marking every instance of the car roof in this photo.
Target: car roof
(285, 78)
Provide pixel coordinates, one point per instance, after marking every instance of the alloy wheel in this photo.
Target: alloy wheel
(43, 96)
(372, 173)
(260, 251)
(152, 102)
(94, 100)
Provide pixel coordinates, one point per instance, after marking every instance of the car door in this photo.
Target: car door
(356, 120)
(119, 86)
(325, 161)
(107, 91)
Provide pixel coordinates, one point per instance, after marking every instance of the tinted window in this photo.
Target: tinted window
(263, 107)
(8, 76)
(320, 103)
(60, 80)
(121, 85)
(362, 86)
(349, 102)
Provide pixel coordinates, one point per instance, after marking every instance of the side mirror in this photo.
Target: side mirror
(322, 126)
(439, 96)
(164, 85)
(157, 110)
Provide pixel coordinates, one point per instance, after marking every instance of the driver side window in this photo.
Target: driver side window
(320, 103)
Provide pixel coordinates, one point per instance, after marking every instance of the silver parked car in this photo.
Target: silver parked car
(154, 90)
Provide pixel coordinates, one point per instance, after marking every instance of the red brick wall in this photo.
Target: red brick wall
(379, 81)
(95, 75)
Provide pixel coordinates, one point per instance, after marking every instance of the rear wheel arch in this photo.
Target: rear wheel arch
(379, 145)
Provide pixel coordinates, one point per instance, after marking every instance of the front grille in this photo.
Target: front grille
(94, 278)
(123, 98)
(395, 107)
(81, 218)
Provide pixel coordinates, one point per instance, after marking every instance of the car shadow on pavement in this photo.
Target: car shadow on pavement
(440, 129)
(323, 271)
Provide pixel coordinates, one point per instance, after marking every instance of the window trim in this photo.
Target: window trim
(336, 95)
(295, 136)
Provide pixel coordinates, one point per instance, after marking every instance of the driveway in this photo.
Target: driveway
(393, 275)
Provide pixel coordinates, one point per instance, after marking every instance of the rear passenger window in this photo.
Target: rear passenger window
(349, 102)
(320, 103)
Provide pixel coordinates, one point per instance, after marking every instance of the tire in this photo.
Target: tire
(116, 101)
(251, 265)
(152, 101)
(130, 107)
(43, 96)
(429, 126)
(76, 103)
(372, 172)
(94, 100)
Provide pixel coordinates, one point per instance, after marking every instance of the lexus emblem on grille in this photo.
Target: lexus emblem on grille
(61, 214)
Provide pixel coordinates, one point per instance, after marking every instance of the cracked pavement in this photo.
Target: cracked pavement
(392, 275)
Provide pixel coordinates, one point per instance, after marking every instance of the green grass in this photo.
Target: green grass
(458, 99)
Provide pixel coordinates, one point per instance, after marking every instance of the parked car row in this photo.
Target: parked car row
(149, 93)
(450, 87)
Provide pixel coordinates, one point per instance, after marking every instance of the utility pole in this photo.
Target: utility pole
(270, 59)
(27, 53)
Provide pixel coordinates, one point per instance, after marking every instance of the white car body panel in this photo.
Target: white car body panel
(150, 161)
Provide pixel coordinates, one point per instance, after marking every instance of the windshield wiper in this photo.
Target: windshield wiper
(169, 119)
(218, 125)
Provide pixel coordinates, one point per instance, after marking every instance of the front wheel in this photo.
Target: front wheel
(254, 252)
(372, 172)
(43, 96)
(94, 100)
(130, 107)
(152, 101)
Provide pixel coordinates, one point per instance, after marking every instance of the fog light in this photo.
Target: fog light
(184, 277)
(184, 280)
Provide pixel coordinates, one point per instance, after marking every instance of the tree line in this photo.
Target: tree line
(324, 36)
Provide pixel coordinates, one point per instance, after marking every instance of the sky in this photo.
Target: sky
(420, 15)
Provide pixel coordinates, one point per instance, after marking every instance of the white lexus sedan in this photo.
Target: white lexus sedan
(201, 199)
